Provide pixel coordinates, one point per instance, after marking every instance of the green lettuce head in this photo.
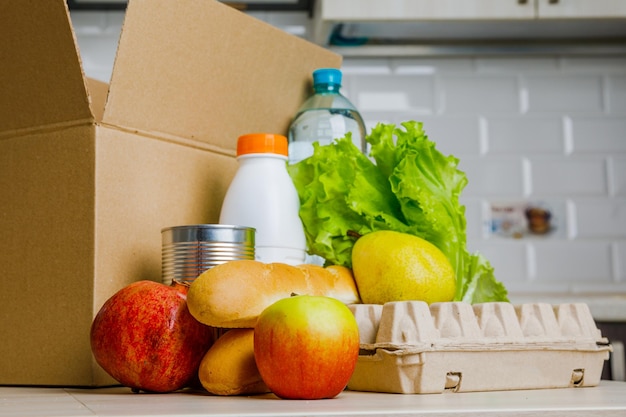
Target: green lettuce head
(409, 187)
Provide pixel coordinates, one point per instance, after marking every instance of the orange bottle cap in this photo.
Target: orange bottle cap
(262, 143)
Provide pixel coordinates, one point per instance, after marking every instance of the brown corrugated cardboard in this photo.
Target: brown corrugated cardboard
(409, 347)
(86, 188)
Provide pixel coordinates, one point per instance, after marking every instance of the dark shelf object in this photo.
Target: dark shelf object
(298, 5)
(614, 331)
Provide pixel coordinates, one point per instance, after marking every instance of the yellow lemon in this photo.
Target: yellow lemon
(393, 266)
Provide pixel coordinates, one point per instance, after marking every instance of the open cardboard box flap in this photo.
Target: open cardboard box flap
(41, 79)
(186, 78)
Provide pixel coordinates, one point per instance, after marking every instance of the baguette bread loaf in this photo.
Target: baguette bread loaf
(233, 294)
(229, 368)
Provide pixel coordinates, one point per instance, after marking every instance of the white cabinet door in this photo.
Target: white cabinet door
(477, 19)
(581, 9)
(377, 10)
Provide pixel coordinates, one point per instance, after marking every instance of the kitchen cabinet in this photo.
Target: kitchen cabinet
(407, 22)
(579, 9)
(418, 10)
(368, 10)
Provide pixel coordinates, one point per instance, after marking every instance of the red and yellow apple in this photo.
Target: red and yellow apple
(145, 337)
(306, 347)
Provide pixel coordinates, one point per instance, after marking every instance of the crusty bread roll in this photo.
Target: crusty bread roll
(229, 368)
(233, 294)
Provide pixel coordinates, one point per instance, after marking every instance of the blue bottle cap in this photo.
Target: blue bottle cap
(327, 76)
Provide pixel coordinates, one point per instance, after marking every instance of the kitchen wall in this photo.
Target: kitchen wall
(542, 132)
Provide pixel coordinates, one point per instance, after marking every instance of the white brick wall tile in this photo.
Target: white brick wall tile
(596, 64)
(564, 93)
(601, 218)
(595, 287)
(88, 22)
(97, 35)
(516, 65)
(399, 93)
(502, 177)
(456, 135)
(617, 175)
(508, 258)
(480, 94)
(432, 65)
(616, 86)
(568, 176)
(619, 249)
(364, 66)
(598, 134)
(114, 22)
(98, 54)
(372, 118)
(529, 134)
(567, 261)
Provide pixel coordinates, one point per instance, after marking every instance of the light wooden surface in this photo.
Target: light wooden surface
(608, 399)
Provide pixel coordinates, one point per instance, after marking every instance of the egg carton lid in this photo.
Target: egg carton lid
(415, 326)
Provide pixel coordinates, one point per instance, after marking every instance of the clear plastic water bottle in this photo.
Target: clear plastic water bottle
(324, 117)
(262, 195)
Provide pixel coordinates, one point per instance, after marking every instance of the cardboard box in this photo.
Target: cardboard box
(409, 347)
(86, 186)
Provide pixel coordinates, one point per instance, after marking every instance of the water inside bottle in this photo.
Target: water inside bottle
(323, 126)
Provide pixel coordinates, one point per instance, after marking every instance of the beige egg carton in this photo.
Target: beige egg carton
(412, 348)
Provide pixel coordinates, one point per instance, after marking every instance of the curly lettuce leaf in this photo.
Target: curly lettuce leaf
(428, 185)
(342, 195)
(411, 188)
(480, 285)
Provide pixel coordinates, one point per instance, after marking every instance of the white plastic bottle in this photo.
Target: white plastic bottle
(262, 195)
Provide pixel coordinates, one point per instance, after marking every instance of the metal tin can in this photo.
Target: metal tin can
(187, 251)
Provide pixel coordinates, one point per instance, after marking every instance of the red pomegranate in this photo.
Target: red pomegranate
(145, 337)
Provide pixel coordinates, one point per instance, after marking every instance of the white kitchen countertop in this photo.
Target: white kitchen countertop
(607, 399)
